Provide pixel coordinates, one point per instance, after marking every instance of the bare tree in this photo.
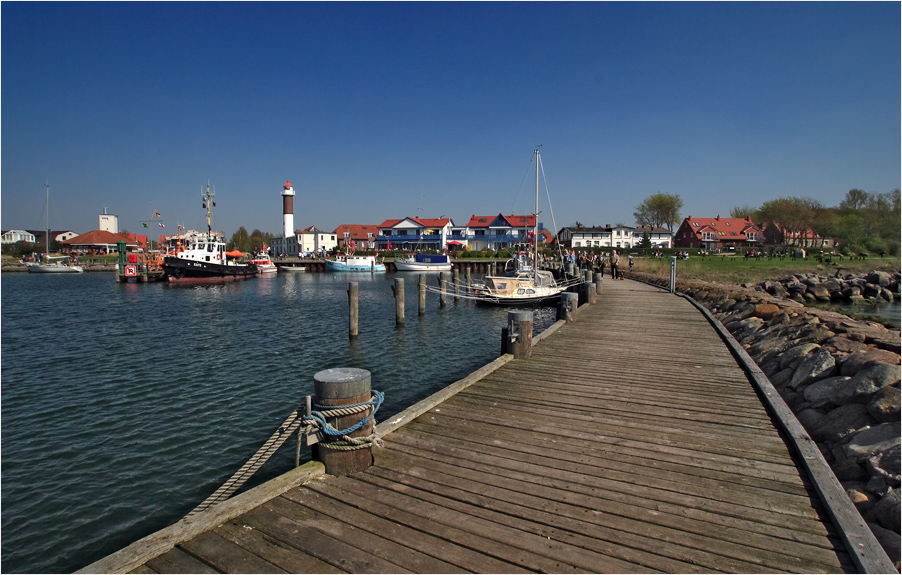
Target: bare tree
(659, 210)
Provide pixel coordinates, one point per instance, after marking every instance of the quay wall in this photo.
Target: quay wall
(839, 376)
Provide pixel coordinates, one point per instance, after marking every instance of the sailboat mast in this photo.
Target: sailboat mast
(535, 224)
(47, 236)
(207, 203)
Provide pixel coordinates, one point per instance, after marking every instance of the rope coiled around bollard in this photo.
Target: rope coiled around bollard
(305, 425)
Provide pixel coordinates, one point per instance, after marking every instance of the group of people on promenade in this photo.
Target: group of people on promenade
(596, 262)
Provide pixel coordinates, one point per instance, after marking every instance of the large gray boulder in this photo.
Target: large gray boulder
(871, 441)
(884, 405)
(816, 365)
(841, 423)
(792, 356)
(823, 393)
(882, 279)
(867, 382)
(857, 360)
(886, 511)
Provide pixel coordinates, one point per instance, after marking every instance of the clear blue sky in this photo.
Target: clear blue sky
(378, 111)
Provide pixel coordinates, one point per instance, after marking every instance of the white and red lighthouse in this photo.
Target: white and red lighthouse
(287, 210)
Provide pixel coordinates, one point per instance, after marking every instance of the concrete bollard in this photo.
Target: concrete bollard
(334, 388)
(421, 290)
(398, 289)
(598, 277)
(567, 306)
(519, 334)
(443, 296)
(587, 276)
(592, 294)
(353, 296)
(583, 293)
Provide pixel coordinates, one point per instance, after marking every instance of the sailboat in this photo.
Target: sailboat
(56, 264)
(524, 284)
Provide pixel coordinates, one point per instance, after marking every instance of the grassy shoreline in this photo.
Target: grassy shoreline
(738, 270)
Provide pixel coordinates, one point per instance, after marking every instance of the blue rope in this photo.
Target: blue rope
(318, 417)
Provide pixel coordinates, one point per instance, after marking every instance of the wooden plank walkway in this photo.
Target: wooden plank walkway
(630, 442)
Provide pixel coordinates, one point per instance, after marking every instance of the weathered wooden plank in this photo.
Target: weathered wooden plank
(226, 557)
(576, 475)
(493, 539)
(276, 552)
(343, 529)
(617, 521)
(305, 537)
(448, 545)
(643, 456)
(177, 561)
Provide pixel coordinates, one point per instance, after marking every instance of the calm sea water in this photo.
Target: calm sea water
(126, 405)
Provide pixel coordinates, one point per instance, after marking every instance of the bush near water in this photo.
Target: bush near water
(840, 376)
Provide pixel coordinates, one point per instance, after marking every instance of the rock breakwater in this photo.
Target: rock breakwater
(840, 376)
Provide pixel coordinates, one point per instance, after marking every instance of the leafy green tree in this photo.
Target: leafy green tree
(240, 240)
(645, 242)
(659, 210)
(743, 212)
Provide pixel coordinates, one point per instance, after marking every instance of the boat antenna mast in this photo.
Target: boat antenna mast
(47, 235)
(535, 223)
(208, 205)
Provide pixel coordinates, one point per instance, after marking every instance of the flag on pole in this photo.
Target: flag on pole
(145, 225)
(161, 225)
(158, 214)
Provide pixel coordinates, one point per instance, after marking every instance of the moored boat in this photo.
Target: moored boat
(524, 284)
(264, 263)
(205, 260)
(423, 263)
(55, 264)
(352, 263)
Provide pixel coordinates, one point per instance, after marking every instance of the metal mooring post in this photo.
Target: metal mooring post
(672, 274)
(517, 337)
(334, 388)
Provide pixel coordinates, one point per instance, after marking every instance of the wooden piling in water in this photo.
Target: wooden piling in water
(398, 289)
(443, 297)
(467, 276)
(353, 296)
(421, 291)
(334, 388)
(455, 279)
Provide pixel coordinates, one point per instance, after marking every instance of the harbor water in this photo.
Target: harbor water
(126, 405)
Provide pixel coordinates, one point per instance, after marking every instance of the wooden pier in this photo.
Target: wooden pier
(632, 440)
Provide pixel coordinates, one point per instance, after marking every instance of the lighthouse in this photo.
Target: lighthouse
(288, 210)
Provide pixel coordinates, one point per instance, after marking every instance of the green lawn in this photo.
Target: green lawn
(734, 269)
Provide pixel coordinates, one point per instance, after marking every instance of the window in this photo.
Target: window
(577, 244)
(708, 236)
(347, 234)
(752, 236)
(695, 224)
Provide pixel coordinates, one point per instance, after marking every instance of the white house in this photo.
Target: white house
(15, 236)
(310, 240)
(614, 237)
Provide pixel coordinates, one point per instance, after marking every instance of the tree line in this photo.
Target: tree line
(863, 222)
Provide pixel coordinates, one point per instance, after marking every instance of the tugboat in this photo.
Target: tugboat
(205, 260)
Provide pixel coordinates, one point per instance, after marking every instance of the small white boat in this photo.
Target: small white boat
(423, 263)
(56, 264)
(354, 264)
(263, 263)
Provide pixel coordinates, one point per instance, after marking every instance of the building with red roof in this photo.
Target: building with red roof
(417, 233)
(99, 242)
(498, 232)
(718, 233)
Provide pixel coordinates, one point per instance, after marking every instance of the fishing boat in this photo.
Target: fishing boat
(523, 284)
(352, 263)
(55, 264)
(205, 259)
(263, 263)
(423, 263)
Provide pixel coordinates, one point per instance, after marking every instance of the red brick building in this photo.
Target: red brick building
(718, 233)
